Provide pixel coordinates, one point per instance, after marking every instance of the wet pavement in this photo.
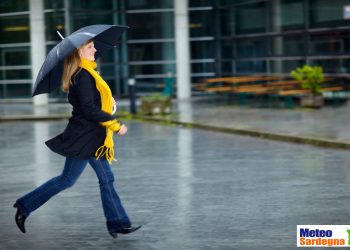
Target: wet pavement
(326, 126)
(190, 188)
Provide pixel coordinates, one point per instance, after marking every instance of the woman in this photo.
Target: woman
(88, 138)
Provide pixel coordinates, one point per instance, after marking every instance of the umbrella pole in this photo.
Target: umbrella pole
(59, 34)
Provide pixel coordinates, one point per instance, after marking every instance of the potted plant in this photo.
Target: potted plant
(159, 103)
(156, 104)
(310, 77)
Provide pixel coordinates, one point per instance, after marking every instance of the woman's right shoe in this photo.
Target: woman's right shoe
(20, 218)
(125, 230)
(128, 230)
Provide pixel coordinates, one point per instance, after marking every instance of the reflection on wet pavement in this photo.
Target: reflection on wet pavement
(191, 189)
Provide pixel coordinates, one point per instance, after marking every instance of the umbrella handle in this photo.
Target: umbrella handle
(114, 109)
(59, 34)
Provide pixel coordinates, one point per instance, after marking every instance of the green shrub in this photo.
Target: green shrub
(310, 77)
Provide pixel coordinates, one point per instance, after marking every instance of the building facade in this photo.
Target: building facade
(226, 38)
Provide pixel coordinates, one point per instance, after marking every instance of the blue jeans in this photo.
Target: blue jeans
(112, 206)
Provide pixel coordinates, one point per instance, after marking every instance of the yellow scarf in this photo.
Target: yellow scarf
(106, 105)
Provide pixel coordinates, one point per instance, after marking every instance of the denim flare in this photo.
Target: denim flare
(113, 209)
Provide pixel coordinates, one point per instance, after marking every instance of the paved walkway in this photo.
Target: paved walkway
(324, 127)
(191, 189)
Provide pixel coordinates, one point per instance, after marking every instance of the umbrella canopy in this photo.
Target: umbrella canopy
(104, 36)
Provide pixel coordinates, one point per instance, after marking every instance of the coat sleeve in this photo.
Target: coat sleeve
(86, 91)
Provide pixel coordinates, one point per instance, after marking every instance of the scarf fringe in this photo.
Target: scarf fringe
(109, 152)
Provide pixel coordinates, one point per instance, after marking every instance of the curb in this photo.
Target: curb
(325, 143)
(24, 118)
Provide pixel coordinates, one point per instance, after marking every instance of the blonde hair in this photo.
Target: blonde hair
(71, 67)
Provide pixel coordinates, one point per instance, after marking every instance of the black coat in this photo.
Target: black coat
(83, 134)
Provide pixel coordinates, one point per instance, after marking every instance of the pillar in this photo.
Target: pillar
(277, 42)
(183, 65)
(37, 42)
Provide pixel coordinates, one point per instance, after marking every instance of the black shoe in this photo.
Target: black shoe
(114, 235)
(20, 218)
(128, 230)
(125, 230)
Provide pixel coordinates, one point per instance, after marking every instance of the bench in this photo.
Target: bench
(307, 91)
(272, 87)
(240, 79)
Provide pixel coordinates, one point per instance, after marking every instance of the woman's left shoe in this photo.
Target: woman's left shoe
(114, 235)
(20, 218)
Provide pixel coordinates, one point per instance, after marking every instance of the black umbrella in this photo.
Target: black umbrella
(105, 37)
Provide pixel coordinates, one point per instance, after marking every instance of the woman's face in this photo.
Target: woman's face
(87, 51)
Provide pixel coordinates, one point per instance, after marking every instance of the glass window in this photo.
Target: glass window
(287, 45)
(334, 43)
(53, 4)
(202, 67)
(227, 49)
(107, 71)
(344, 66)
(15, 74)
(54, 21)
(149, 85)
(249, 67)
(122, 71)
(202, 49)
(235, 2)
(286, 15)
(13, 5)
(289, 65)
(151, 51)
(293, 45)
(324, 14)
(292, 14)
(253, 47)
(14, 56)
(200, 3)
(92, 5)
(151, 69)
(228, 24)
(251, 18)
(333, 66)
(107, 57)
(285, 66)
(150, 25)
(149, 4)
(17, 90)
(227, 68)
(81, 19)
(201, 24)
(49, 47)
(14, 29)
(111, 83)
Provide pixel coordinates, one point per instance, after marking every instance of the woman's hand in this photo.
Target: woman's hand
(123, 129)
